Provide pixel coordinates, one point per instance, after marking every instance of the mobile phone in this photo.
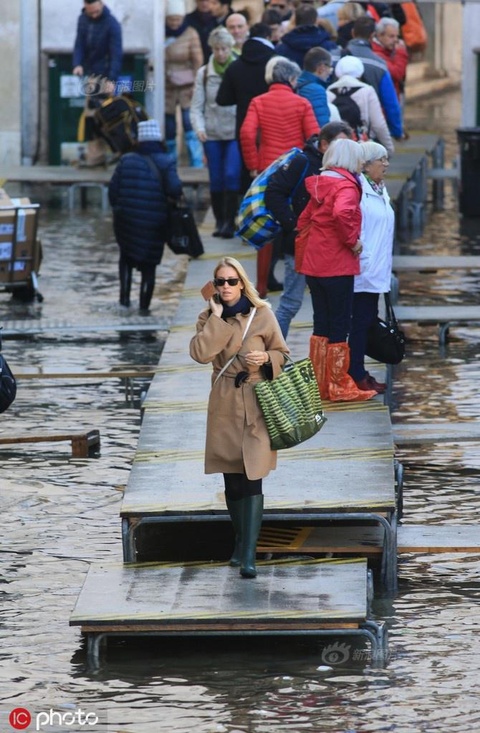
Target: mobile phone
(208, 290)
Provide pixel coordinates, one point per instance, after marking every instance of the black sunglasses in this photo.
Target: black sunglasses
(219, 281)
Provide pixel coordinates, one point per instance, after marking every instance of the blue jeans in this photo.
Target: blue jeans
(332, 300)
(292, 295)
(365, 311)
(224, 162)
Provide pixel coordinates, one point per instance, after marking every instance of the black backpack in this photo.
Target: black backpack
(117, 119)
(348, 109)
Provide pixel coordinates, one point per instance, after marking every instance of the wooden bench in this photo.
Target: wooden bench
(84, 445)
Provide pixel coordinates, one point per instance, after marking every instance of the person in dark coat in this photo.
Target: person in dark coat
(98, 44)
(306, 34)
(204, 23)
(139, 193)
(286, 197)
(245, 79)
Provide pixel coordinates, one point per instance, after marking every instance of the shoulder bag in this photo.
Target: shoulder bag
(182, 235)
(291, 404)
(385, 340)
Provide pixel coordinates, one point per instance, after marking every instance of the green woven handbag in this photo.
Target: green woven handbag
(291, 405)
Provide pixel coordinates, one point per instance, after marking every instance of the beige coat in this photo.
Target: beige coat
(237, 438)
(184, 53)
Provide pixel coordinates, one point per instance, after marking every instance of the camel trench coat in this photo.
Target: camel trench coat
(237, 440)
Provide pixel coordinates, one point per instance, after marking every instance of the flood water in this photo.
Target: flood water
(60, 514)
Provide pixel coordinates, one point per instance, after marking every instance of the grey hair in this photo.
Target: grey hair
(373, 151)
(281, 69)
(384, 22)
(220, 37)
(346, 154)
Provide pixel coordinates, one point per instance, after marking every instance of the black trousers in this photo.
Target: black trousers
(125, 267)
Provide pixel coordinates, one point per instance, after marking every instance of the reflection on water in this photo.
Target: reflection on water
(61, 514)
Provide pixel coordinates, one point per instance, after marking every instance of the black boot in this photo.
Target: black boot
(236, 510)
(218, 207)
(231, 206)
(125, 274)
(252, 521)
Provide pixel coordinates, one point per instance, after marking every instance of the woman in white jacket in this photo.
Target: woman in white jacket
(349, 71)
(215, 128)
(378, 226)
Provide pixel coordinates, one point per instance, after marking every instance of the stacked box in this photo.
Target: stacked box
(18, 226)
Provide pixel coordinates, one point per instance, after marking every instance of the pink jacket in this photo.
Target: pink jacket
(275, 122)
(334, 219)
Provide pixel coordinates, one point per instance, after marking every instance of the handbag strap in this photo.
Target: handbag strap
(389, 312)
(225, 367)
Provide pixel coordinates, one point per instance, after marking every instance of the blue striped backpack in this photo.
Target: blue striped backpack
(255, 223)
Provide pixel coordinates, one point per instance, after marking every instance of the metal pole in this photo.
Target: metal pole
(29, 75)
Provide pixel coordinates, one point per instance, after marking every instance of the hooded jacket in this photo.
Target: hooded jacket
(98, 45)
(378, 225)
(370, 109)
(245, 78)
(295, 44)
(311, 87)
(334, 218)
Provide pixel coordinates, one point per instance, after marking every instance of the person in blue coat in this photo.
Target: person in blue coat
(317, 68)
(142, 187)
(98, 44)
(306, 34)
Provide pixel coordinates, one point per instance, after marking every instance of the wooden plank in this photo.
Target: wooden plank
(437, 313)
(417, 263)
(445, 432)
(68, 175)
(368, 540)
(115, 374)
(83, 444)
(205, 595)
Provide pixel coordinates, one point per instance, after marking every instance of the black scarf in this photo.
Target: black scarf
(177, 32)
(241, 306)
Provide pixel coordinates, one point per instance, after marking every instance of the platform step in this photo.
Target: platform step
(419, 263)
(368, 540)
(446, 432)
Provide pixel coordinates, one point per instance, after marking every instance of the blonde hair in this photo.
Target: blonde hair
(329, 27)
(248, 287)
(373, 151)
(220, 37)
(346, 154)
(350, 11)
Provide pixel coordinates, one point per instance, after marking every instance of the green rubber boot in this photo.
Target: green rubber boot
(236, 510)
(252, 521)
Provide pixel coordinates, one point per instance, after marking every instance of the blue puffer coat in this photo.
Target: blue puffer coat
(98, 45)
(139, 202)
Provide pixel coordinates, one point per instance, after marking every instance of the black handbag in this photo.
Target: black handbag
(385, 340)
(8, 385)
(182, 233)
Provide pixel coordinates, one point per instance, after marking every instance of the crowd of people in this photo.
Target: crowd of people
(326, 78)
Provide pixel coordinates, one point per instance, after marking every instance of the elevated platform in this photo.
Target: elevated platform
(447, 432)
(316, 597)
(443, 315)
(433, 263)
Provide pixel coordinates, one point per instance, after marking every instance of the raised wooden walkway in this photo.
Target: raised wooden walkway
(343, 481)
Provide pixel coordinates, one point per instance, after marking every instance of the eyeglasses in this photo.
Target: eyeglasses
(219, 281)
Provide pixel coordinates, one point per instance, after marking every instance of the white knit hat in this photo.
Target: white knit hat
(148, 130)
(349, 66)
(175, 7)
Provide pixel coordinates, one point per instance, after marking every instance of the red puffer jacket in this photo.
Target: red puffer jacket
(275, 122)
(334, 219)
(396, 61)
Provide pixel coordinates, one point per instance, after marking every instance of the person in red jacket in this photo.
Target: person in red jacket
(331, 224)
(387, 45)
(275, 122)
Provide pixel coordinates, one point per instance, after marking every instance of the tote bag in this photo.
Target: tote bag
(385, 340)
(291, 405)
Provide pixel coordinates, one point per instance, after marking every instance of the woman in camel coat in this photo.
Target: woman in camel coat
(237, 443)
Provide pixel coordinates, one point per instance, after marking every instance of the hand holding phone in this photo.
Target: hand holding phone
(208, 290)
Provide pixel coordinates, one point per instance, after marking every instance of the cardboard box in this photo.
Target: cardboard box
(17, 248)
